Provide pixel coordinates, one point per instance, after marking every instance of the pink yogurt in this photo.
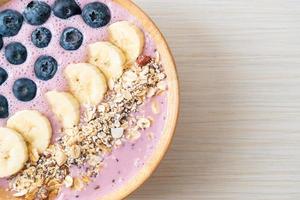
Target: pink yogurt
(124, 163)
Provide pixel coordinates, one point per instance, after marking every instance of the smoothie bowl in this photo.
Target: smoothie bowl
(88, 99)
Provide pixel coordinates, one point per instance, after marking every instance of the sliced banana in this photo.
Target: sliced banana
(109, 58)
(65, 107)
(127, 37)
(86, 82)
(34, 127)
(13, 152)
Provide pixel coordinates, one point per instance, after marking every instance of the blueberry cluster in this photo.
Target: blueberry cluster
(36, 13)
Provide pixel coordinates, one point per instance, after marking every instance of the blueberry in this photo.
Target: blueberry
(24, 89)
(66, 8)
(3, 107)
(96, 14)
(37, 12)
(71, 39)
(1, 42)
(15, 53)
(3, 75)
(41, 37)
(10, 22)
(45, 68)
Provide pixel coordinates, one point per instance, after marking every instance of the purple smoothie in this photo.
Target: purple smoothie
(124, 163)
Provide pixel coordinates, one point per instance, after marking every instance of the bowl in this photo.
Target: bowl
(172, 107)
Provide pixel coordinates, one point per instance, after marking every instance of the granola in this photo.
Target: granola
(103, 128)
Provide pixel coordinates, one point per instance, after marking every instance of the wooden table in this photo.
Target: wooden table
(238, 136)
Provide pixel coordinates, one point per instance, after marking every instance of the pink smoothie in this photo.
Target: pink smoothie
(125, 162)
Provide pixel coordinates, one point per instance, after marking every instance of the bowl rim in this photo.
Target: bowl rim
(173, 103)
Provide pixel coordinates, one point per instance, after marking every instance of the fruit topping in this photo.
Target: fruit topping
(3, 107)
(45, 68)
(13, 152)
(96, 14)
(65, 107)
(109, 58)
(86, 82)
(34, 127)
(10, 22)
(41, 37)
(71, 39)
(24, 89)
(127, 37)
(3, 75)
(15, 53)
(66, 8)
(37, 13)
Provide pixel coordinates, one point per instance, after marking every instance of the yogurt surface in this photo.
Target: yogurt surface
(125, 162)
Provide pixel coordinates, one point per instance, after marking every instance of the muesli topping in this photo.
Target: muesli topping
(102, 128)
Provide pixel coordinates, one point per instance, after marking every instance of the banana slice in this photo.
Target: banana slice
(13, 152)
(109, 58)
(65, 107)
(34, 127)
(86, 82)
(127, 37)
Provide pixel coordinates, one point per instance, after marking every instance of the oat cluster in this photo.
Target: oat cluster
(102, 128)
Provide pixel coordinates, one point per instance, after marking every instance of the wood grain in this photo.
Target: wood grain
(3, 2)
(239, 130)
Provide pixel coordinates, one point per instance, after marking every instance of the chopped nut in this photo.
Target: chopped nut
(75, 151)
(161, 76)
(60, 157)
(53, 184)
(143, 123)
(95, 160)
(101, 108)
(124, 125)
(68, 181)
(101, 135)
(144, 72)
(129, 76)
(90, 113)
(78, 184)
(119, 98)
(71, 141)
(127, 95)
(151, 92)
(117, 132)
